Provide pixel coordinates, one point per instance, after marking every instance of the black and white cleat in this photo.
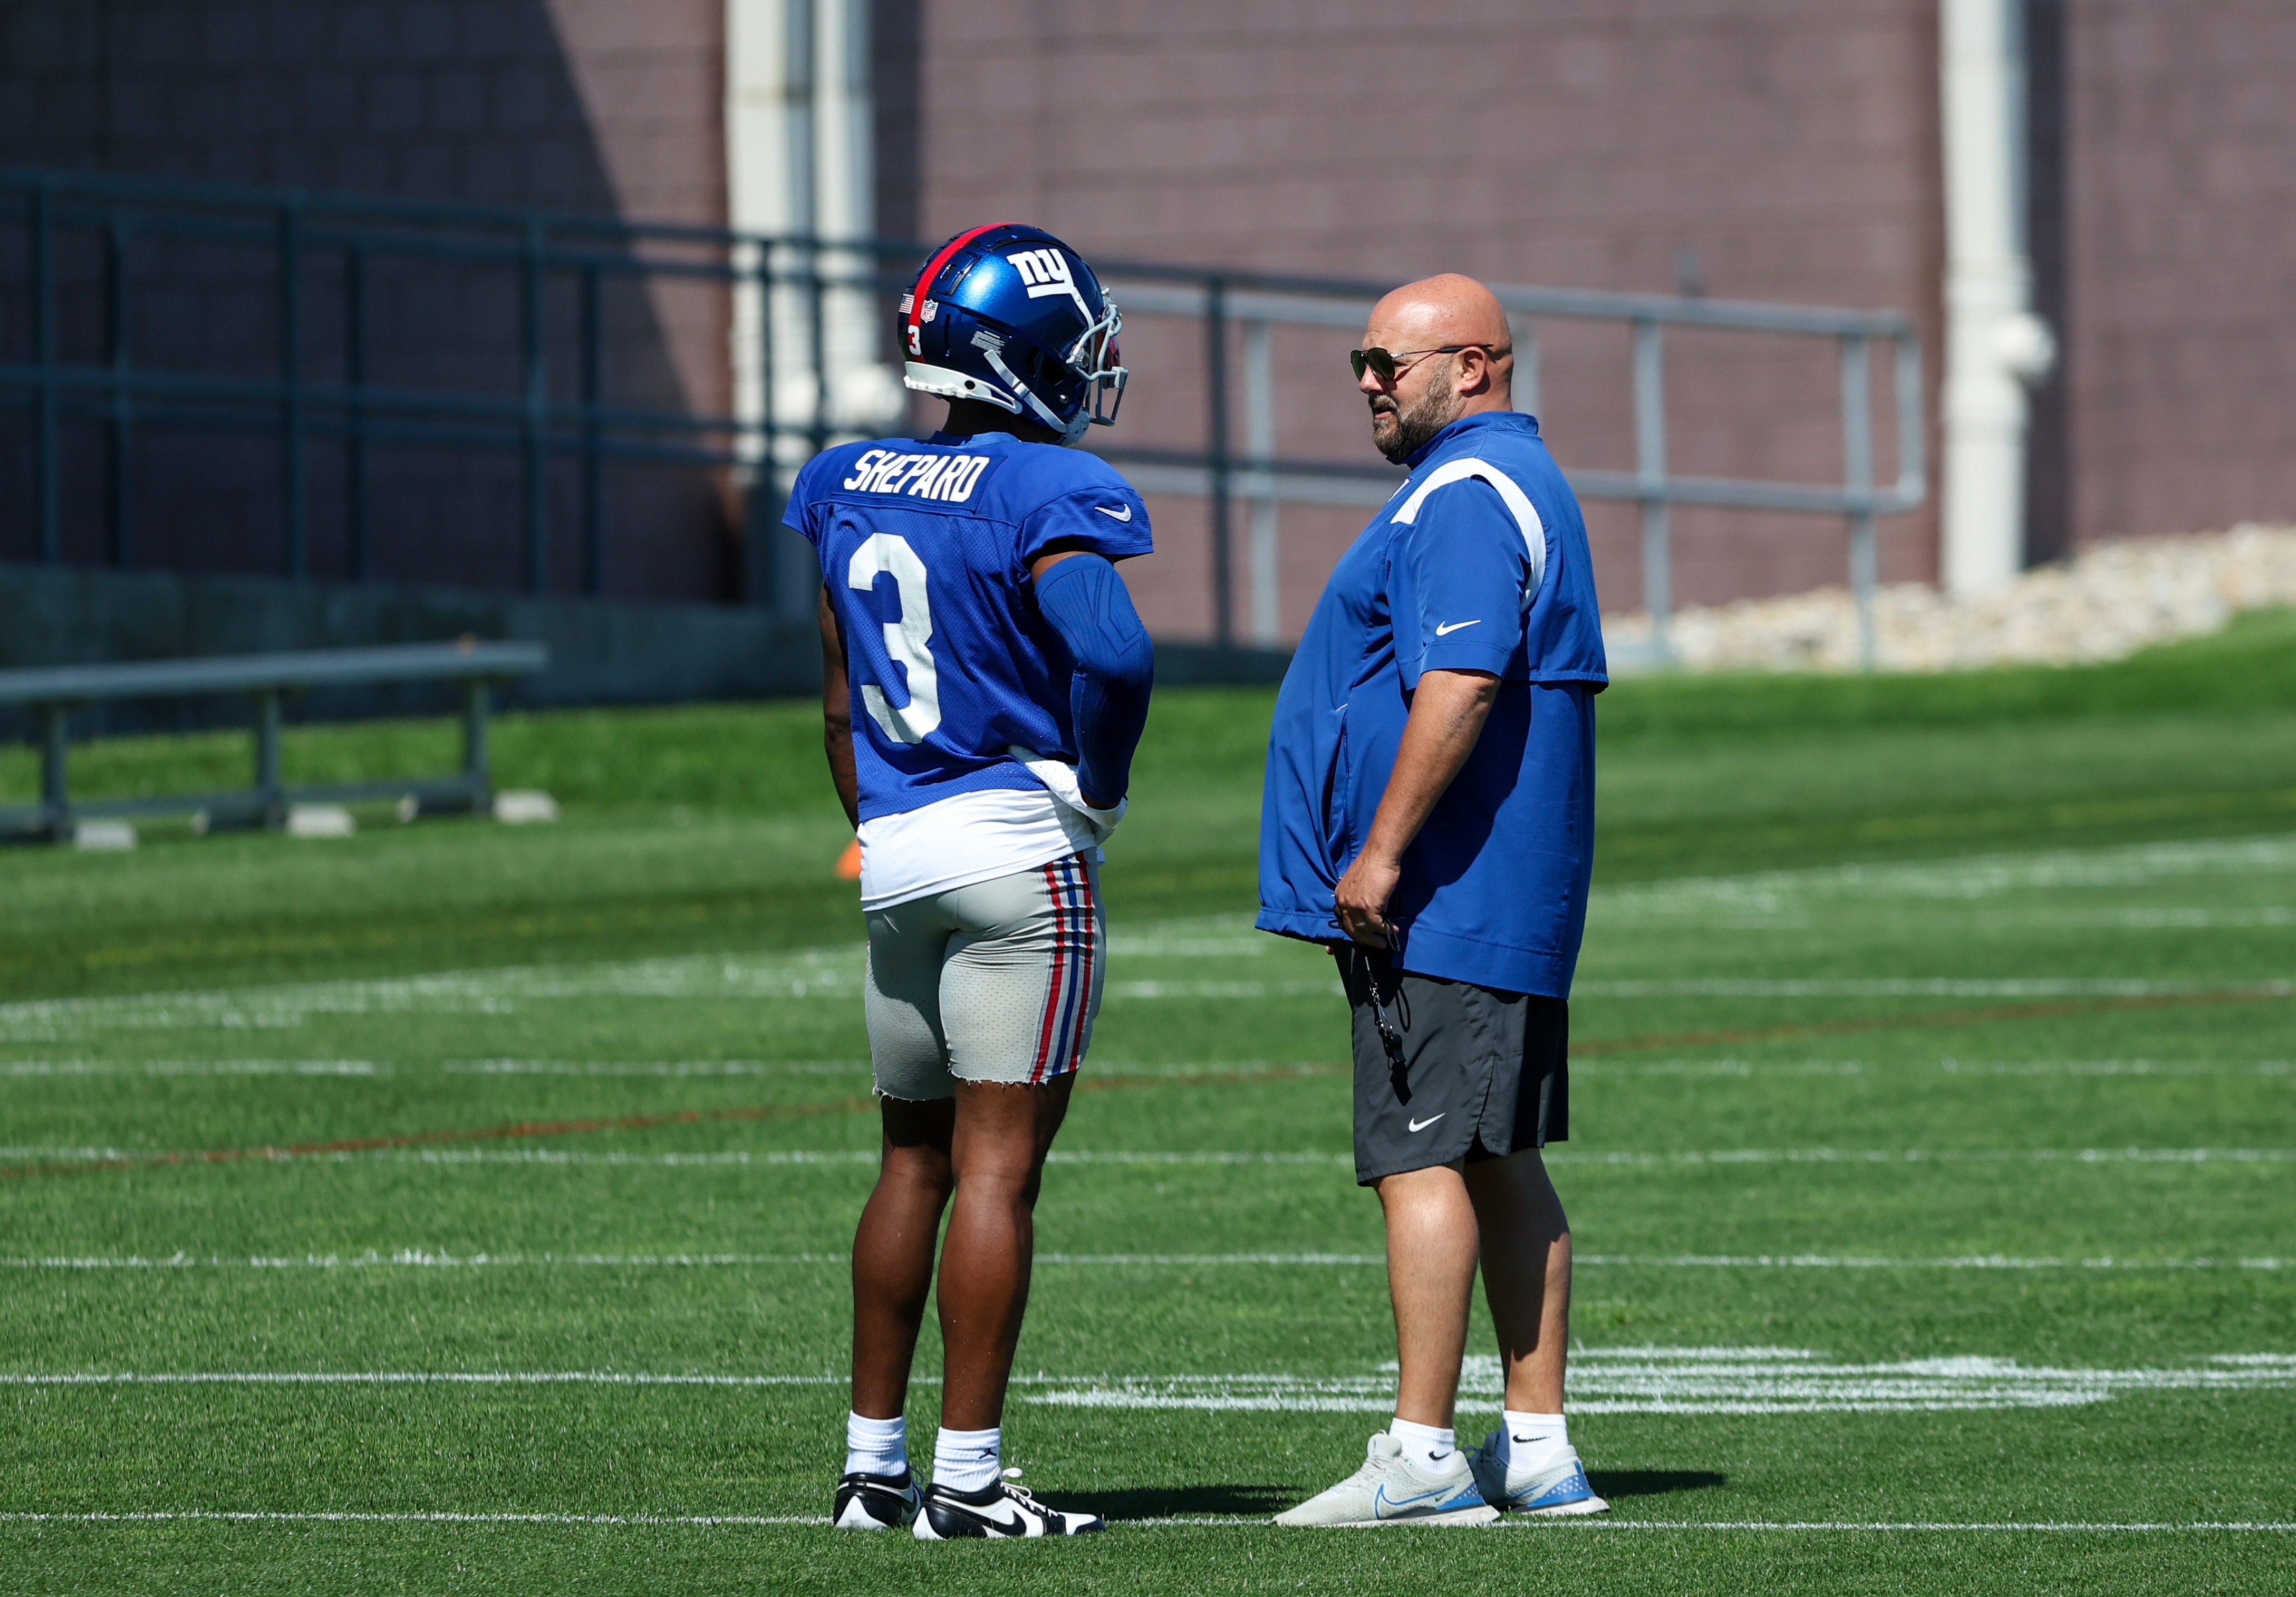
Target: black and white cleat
(876, 1501)
(1003, 1508)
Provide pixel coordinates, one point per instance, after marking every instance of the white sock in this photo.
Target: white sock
(1533, 1437)
(965, 1460)
(1425, 1446)
(876, 1447)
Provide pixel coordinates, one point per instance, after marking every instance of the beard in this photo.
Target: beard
(1396, 431)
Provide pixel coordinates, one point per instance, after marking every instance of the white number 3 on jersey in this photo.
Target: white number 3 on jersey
(905, 640)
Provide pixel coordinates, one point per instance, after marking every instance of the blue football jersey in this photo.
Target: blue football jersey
(925, 550)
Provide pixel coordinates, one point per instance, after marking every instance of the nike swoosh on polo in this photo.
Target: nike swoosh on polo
(1118, 513)
(1420, 1125)
(1455, 626)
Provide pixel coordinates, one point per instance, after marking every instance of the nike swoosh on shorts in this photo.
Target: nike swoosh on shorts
(1420, 1125)
(1122, 513)
(1455, 626)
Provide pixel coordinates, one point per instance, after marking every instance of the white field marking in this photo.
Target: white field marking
(1981, 875)
(662, 1067)
(1947, 1067)
(403, 1378)
(224, 1067)
(415, 1258)
(1534, 1522)
(407, 1517)
(1928, 987)
(2144, 920)
(1240, 1521)
(1324, 987)
(1602, 1380)
(1988, 1261)
(833, 971)
(1703, 1381)
(433, 1259)
(1219, 1157)
(1938, 1156)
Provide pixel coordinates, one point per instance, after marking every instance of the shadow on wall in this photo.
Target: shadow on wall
(477, 101)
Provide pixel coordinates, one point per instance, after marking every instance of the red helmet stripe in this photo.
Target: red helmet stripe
(932, 270)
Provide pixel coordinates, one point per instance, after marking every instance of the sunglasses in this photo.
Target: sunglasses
(1383, 361)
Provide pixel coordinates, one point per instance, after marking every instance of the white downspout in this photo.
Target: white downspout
(1995, 346)
(798, 162)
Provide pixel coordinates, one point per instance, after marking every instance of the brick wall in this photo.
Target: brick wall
(1789, 145)
(2181, 282)
(593, 106)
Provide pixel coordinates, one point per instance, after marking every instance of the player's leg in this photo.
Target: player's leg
(1019, 991)
(893, 1245)
(1419, 1089)
(1528, 1464)
(1526, 1259)
(1430, 1278)
(893, 1249)
(1002, 1135)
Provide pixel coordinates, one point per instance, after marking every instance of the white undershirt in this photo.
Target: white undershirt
(980, 837)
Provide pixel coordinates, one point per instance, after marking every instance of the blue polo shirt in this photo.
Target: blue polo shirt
(1478, 563)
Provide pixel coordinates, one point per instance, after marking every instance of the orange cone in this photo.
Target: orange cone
(849, 863)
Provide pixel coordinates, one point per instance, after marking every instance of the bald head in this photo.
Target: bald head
(1431, 390)
(1447, 308)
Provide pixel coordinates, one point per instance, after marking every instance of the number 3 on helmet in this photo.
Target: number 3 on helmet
(1009, 314)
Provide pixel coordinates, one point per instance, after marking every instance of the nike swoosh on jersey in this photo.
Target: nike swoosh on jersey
(1420, 1125)
(1120, 512)
(1455, 626)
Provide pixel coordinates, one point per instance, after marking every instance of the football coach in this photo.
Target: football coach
(1429, 815)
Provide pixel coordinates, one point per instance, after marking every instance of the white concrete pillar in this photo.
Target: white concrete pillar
(1995, 347)
(799, 161)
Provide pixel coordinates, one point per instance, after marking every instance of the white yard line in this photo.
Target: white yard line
(433, 1259)
(1701, 1381)
(1931, 987)
(1751, 1381)
(1166, 1521)
(1217, 1157)
(222, 1067)
(409, 1517)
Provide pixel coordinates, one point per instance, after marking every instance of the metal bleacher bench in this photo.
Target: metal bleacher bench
(53, 692)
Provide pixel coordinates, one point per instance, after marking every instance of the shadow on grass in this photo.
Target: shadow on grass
(1616, 1484)
(1157, 1502)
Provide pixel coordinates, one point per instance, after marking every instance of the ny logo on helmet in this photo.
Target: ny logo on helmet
(1046, 272)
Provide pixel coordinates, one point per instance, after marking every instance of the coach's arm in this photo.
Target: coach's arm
(837, 713)
(1447, 712)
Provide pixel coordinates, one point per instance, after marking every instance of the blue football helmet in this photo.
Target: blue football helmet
(1009, 314)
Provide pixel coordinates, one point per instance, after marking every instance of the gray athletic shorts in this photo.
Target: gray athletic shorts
(997, 981)
(1484, 1072)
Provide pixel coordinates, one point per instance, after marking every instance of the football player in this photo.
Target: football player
(971, 612)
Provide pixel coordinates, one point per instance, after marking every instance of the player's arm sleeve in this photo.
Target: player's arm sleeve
(1087, 604)
(1108, 521)
(796, 515)
(1460, 585)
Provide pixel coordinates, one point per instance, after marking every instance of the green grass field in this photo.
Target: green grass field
(1934, 1173)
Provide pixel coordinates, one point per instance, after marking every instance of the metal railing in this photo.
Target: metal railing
(1258, 302)
(322, 251)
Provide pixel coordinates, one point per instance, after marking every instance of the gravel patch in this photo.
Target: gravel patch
(2111, 600)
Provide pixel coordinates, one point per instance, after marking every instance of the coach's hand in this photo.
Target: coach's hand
(1362, 897)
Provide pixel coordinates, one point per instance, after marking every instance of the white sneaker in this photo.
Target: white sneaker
(1554, 1485)
(1391, 1490)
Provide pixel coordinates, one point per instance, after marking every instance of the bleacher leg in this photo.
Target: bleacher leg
(474, 746)
(54, 797)
(268, 794)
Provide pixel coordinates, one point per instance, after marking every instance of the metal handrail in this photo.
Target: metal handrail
(265, 679)
(536, 425)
